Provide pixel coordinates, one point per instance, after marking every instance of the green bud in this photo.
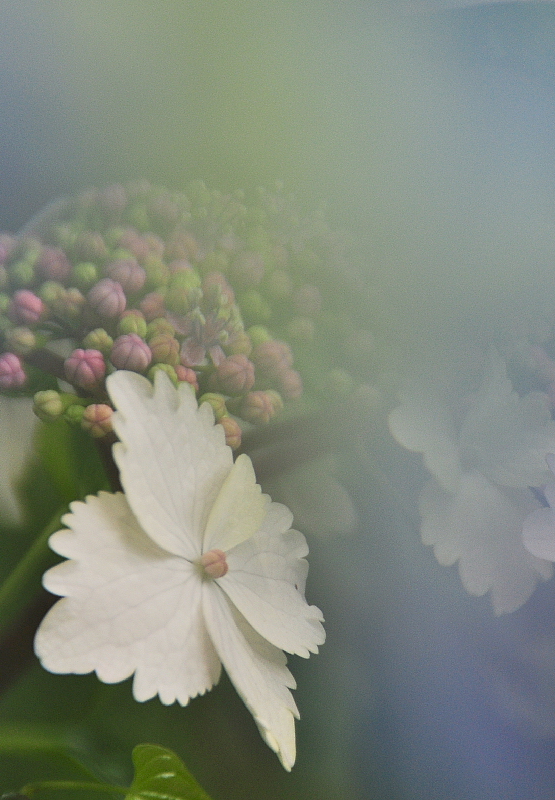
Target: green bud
(138, 217)
(99, 339)
(169, 370)
(157, 272)
(22, 273)
(48, 405)
(259, 334)
(339, 382)
(74, 414)
(84, 275)
(217, 401)
(52, 293)
(254, 308)
(21, 340)
(159, 325)
(217, 261)
(133, 323)
(4, 302)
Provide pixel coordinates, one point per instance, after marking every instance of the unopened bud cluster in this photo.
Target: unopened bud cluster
(198, 284)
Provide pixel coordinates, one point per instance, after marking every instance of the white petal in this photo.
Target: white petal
(506, 436)
(266, 581)
(172, 457)
(257, 670)
(481, 527)
(238, 510)
(128, 607)
(538, 533)
(423, 423)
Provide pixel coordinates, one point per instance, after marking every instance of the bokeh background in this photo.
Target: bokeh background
(427, 129)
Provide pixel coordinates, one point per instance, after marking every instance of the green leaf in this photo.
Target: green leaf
(161, 775)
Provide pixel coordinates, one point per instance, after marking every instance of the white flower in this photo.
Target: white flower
(191, 568)
(538, 531)
(482, 463)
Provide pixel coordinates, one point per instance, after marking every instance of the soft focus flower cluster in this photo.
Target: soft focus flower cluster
(485, 451)
(198, 284)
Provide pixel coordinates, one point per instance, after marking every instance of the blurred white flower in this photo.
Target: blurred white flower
(483, 461)
(17, 428)
(538, 531)
(191, 568)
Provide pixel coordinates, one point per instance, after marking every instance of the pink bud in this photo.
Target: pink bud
(131, 352)
(85, 368)
(26, 308)
(97, 419)
(257, 407)
(185, 374)
(233, 375)
(53, 264)
(272, 358)
(135, 243)
(232, 430)
(128, 273)
(152, 306)
(217, 281)
(291, 385)
(214, 564)
(107, 298)
(12, 375)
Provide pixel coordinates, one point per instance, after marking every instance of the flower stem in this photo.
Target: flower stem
(32, 789)
(22, 584)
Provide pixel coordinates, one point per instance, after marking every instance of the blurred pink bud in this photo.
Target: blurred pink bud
(152, 306)
(97, 419)
(232, 430)
(131, 352)
(85, 368)
(113, 198)
(128, 273)
(291, 385)
(215, 281)
(135, 243)
(107, 298)
(188, 375)
(26, 308)
(12, 375)
(53, 264)
(272, 358)
(257, 408)
(233, 375)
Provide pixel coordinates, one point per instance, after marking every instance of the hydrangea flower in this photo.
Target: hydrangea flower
(538, 531)
(482, 462)
(193, 567)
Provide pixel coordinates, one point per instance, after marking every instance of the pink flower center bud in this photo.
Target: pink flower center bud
(107, 298)
(12, 375)
(26, 308)
(214, 564)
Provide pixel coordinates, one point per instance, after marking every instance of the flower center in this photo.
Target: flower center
(213, 564)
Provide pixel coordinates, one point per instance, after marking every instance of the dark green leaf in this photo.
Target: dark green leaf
(161, 775)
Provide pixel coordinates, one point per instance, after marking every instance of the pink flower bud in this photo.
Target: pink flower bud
(97, 419)
(128, 273)
(26, 308)
(257, 408)
(131, 352)
(232, 430)
(135, 243)
(214, 564)
(53, 264)
(291, 385)
(165, 349)
(107, 298)
(12, 375)
(152, 306)
(185, 374)
(272, 358)
(85, 368)
(215, 282)
(233, 375)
